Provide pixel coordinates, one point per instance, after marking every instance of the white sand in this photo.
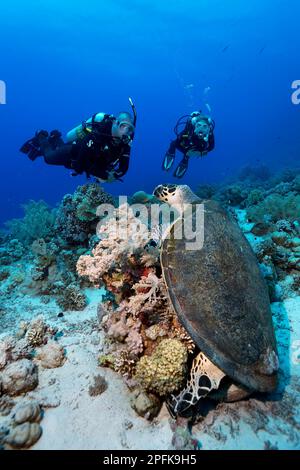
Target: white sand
(75, 420)
(108, 422)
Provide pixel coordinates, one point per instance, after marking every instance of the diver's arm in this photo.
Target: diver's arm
(123, 165)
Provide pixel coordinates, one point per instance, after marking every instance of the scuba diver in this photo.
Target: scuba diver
(196, 139)
(99, 147)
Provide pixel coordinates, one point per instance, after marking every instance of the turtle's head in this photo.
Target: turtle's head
(175, 194)
(165, 192)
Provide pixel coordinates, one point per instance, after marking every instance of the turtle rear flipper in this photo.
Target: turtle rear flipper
(204, 377)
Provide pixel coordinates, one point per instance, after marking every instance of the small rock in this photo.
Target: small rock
(24, 435)
(46, 399)
(51, 355)
(60, 314)
(145, 404)
(127, 424)
(260, 228)
(19, 377)
(28, 411)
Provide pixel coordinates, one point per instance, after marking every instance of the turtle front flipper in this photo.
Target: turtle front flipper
(204, 377)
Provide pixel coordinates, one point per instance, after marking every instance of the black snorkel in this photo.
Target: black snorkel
(133, 110)
(127, 139)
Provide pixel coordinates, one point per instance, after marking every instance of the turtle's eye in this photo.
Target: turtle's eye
(171, 188)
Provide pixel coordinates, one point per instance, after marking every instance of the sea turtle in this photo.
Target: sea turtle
(221, 298)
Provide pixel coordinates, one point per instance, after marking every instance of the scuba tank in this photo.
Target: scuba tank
(83, 129)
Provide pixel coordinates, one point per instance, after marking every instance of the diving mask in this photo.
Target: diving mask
(202, 130)
(126, 128)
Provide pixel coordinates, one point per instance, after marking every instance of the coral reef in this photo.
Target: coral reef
(21, 359)
(115, 256)
(35, 332)
(72, 298)
(205, 191)
(165, 370)
(255, 174)
(38, 222)
(275, 207)
(76, 216)
(138, 320)
(55, 254)
(38, 254)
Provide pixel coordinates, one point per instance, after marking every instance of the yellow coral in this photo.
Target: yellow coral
(164, 371)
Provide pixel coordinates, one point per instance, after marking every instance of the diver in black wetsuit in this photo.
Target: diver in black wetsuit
(99, 147)
(196, 139)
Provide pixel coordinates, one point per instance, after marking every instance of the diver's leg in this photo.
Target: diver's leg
(60, 156)
(55, 139)
(182, 167)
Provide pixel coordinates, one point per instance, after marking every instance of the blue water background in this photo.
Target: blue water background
(64, 61)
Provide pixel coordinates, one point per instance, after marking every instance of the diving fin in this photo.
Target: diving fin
(181, 168)
(168, 161)
(32, 147)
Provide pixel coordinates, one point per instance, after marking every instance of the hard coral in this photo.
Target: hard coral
(36, 332)
(164, 371)
(72, 298)
(275, 207)
(76, 217)
(11, 251)
(119, 250)
(124, 364)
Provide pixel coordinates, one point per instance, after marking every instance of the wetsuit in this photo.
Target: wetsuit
(188, 143)
(97, 154)
(185, 144)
